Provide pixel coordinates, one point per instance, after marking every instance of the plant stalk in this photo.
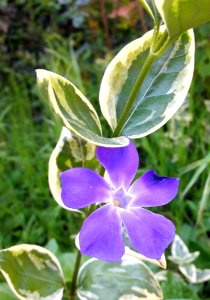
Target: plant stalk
(75, 275)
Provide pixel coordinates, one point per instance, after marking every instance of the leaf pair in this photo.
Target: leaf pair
(161, 94)
(182, 257)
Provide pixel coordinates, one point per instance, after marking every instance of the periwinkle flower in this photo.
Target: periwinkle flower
(101, 234)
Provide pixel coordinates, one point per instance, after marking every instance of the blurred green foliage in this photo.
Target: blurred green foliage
(77, 39)
(38, 34)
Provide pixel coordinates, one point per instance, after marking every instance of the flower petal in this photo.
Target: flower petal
(101, 235)
(153, 190)
(82, 187)
(149, 233)
(120, 163)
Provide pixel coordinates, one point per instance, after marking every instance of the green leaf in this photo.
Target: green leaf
(73, 108)
(181, 15)
(162, 92)
(53, 247)
(32, 272)
(70, 152)
(5, 293)
(130, 279)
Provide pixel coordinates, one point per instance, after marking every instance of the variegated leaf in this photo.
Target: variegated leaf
(74, 109)
(161, 276)
(179, 248)
(189, 258)
(32, 272)
(70, 152)
(194, 275)
(180, 252)
(182, 257)
(162, 92)
(179, 15)
(189, 271)
(202, 275)
(131, 279)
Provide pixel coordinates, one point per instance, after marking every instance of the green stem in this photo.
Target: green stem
(75, 275)
(164, 47)
(159, 42)
(155, 35)
(131, 100)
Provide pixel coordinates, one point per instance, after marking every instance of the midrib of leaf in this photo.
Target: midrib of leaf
(171, 56)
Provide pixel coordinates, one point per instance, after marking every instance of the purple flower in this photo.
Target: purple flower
(101, 233)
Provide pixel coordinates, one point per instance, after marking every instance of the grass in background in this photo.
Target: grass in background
(27, 210)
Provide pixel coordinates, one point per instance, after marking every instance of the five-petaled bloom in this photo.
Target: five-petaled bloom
(101, 233)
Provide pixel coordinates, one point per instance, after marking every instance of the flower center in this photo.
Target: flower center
(116, 202)
(121, 198)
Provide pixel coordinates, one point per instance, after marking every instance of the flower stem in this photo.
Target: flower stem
(75, 275)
